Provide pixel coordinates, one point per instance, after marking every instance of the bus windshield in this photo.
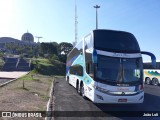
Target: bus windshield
(115, 41)
(121, 70)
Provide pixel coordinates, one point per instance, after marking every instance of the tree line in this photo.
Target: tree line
(51, 50)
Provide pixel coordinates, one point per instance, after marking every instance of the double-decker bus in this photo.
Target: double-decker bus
(106, 67)
(151, 75)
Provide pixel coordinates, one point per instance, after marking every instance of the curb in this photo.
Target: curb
(8, 82)
(50, 104)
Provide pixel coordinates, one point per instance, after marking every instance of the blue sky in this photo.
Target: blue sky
(54, 19)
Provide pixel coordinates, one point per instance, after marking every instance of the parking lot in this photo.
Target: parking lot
(67, 99)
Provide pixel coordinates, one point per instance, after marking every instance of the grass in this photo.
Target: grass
(1, 61)
(59, 76)
(32, 97)
(46, 64)
(32, 80)
(45, 67)
(27, 77)
(41, 60)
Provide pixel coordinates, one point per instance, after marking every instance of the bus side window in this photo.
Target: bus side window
(89, 69)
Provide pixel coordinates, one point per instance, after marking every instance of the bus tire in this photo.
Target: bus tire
(82, 91)
(67, 79)
(148, 81)
(155, 81)
(77, 87)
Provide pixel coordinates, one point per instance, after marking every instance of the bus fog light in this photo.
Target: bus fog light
(99, 97)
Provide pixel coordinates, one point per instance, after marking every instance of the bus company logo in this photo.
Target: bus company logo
(123, 85)
(122, 89)
(21, 114)
(120, 55)
(6, 114)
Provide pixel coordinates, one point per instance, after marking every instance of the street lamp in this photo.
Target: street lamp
(38, 38)
(96, 15)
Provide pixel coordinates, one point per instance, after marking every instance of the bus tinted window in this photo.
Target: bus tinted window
(75, 52)
(115, 41)
(76, 70)
(89, 42)
(122, 70)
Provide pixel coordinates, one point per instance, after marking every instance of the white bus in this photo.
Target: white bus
(106, 67)
(151, 75)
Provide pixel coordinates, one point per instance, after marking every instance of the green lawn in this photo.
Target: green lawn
(45, 67)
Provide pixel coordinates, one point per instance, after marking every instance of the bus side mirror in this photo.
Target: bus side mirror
(153, 58)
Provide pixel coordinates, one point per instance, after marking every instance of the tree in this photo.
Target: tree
(53, 58)
(49, 48)
(1, 54)
(20, 50)
(65, 48)
(11, 47)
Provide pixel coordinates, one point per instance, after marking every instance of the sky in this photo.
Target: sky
(54, 19)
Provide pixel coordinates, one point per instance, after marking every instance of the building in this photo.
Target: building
(27, 39)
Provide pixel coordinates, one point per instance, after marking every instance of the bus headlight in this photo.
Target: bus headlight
(101, 89)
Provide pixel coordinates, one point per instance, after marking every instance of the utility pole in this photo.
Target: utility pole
(38, 46)
(96, 15)
(38, 38)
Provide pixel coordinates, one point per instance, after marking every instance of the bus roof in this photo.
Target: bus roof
(110, 30)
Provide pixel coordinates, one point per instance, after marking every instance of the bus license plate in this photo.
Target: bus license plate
(122, 100)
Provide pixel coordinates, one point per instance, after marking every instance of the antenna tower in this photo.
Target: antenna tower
(76, 24)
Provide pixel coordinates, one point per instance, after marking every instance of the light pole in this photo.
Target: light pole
(38, 38)
(38, 43)
(96, 15)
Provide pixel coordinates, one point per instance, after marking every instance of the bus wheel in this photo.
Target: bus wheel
(68, 80)
(148, 81)
(78, 88)
(155, 81)
(82, 91)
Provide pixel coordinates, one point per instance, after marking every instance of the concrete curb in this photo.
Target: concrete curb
(8, 82)
(50, 103)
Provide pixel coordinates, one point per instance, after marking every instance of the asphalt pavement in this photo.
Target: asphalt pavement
(69, 105)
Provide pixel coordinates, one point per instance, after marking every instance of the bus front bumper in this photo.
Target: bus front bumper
(100, 97)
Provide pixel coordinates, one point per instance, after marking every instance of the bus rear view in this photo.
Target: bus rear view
(111, 67)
